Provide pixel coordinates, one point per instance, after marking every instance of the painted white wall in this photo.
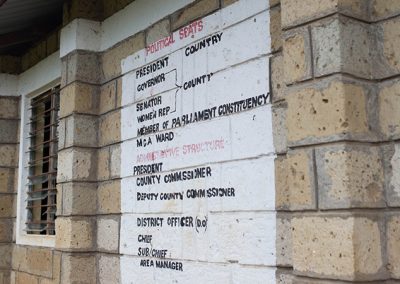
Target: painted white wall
(238, 245)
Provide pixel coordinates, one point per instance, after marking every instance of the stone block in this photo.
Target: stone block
(277, 78)
(5, 259)
(295, 12)
(389, 112)
(279, 127)
(78, 269)
(284, 240)
(384, 9)
(5, 277)
(108, 234)
(75, 233)
(78, 97)
(81, 130)
(61, 129)
(297, 56)
(110, 128)
(7, 180)
(78, 164)
(7, 205)
(109, 269)
(295, 181)
(392, 174)
(115, 161)
(225, 3)
(350, 176)
(275, 27)
(25, 278)
(393, 244)
(109, 197)
(10, 64)
(158, 31)
(103, 164)
(6, 230)
(197, 10)
(8, 155)
(83, 66)
(327, 111)
(341, 247)
(9, 107)
(119, 92)
(336, 49)
(387, 54)
(111, 58)
(108, 97)
(284, 277)
(78, 199)
(36, 261)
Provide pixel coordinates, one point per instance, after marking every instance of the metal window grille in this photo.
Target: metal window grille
(42, 165)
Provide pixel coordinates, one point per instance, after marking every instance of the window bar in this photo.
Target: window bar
(42, 164)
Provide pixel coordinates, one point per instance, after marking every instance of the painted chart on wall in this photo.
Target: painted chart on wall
(197, 157)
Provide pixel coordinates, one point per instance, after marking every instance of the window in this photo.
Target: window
(42, 163)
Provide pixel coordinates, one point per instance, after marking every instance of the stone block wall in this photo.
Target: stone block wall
(337, 178)
(9, 125)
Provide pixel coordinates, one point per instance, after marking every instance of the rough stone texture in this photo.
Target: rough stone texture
(7, 205)
(5, 232)
(198, 9)
(78, 199)
(9, 107)
(108, 234)
(338, 247)
(7, 180)
(279, 127)
(111, 59)
(81, 130)
(10, 64)
(8, 155)
(336, 49)
(384, 9)
(103, 163)
(115, 161)
(8, 131)
(300, 11)
(295, 182)
(158, 31)
(388, 54)
(283, 240)
(77, 164)
(86, 9)
(111, 7)
(108, 97)
(78, 97)
(275, 28)
(78, 269)
(350, 176)
(284, 277)
(109, 269)
(325, 112)
(37, 261)
(110, 128)
(389, 112)
(393, 244)
(75, 233)
(5, 259)
(109, 197)
(277, 78)
(297, 56)
(225, 3)
(25, 278)
(83, 66)
(392, 174)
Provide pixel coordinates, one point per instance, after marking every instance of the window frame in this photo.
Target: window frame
(22, 237)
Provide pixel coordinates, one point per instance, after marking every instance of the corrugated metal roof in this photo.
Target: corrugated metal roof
(22, 15)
